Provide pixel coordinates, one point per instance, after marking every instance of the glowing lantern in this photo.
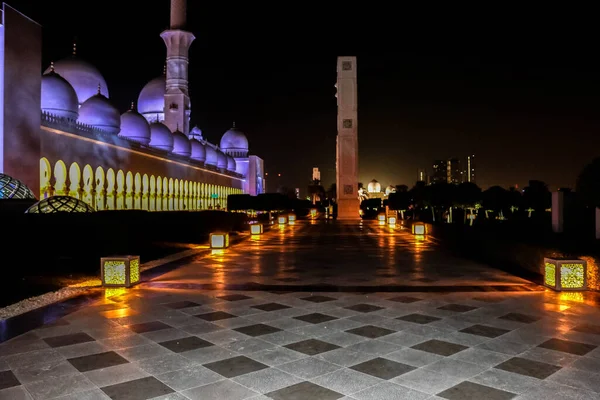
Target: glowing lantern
(419, 228)
(313, 213)
(219, 240)
(256, 229)
(120, 271)
(381, 217)
(292, 217)
(392, 220)
(282, 220)
(563, 274)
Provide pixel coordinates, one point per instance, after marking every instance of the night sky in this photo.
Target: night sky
(522, 95)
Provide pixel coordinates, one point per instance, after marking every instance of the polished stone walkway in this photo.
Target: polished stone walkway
(179, 341)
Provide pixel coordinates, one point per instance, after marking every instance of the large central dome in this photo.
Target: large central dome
(151, 101)
(83, 76)
(234, 143)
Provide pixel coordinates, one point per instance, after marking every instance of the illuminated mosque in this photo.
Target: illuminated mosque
(60, 134)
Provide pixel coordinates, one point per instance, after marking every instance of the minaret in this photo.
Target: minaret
(347, 140)
(178, 42)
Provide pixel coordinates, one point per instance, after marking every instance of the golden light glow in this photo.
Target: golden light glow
(291, 217)
(114, 272)
(256, 229)
(313, 213)
(381, 217)
(550, 274)
(113, 292)
(572, 276)
(282, 220)
(562, 274)
(219, 240)
(419, 228)
(123, 271)
(392, 220)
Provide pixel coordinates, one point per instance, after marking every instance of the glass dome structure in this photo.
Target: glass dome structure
(11, 188)
(58, 204)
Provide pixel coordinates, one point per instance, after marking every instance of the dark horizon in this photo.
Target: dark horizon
(523, 99)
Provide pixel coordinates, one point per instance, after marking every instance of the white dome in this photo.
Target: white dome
(59, 97)
(235, 143)
(98, 112)
(135, 127)
(221, 160)
(389, 189)
(161, 137)
(231, 165)
(196, 133)
(374, 187)
(211, 156)
(198, 150)
(151, 101)
(83, 76)
(181, 144)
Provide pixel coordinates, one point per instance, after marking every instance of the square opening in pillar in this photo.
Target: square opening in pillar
(347, 123)
(219, 240)
(346, 65)
(120, 271)
(565, 274)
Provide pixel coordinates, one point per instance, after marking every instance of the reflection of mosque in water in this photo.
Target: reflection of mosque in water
(61, 135)
(374, 191)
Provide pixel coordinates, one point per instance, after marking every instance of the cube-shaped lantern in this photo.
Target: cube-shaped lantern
(564, 274)
(392, 220)
(313, 213)
(282, 219)
(256, 229)
(120, 271)
(419, 228)
(219, 240)
(291, 217)
(381, 217)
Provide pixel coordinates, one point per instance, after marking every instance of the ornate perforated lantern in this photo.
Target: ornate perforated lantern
(392, 221)
(256, 229)
(381, 217)
(282, 220)
(291, 217)
(564, 274)
(419, 228)
(120, 271)
(11, 188)
(313, 213)
(219, 240)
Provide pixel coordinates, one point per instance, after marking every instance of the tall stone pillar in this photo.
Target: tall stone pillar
(558, 210)
(347, 140)
(178, 42)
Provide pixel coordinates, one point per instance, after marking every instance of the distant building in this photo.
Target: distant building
(469, 170)
(316, 176)
(440, 171)
(453, 171)
(297, 193)
(422, 176)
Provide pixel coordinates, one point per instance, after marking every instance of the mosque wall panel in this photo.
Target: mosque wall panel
(21, 52)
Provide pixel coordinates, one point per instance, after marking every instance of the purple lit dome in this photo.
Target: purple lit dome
(211, 156)
(181, 144)
(221, 160)
(235, 143)
(161, 137)
(98, 112)
(59, 97)
(196, 133)
(231, 165)
(151, 101)
(198, 150)
(83, 76)
(135, 127)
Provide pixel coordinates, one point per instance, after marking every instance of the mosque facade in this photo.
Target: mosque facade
(61, 135)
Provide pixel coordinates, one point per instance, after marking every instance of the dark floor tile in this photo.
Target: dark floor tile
(566, 346)
(523, 366)
(383, 368)
(440, 347)
(289, 279)
(215, 316)
(139, 389)
(457, 308)
(517, 317)
(587, 328)
(486, 331)
(280, 291)
(424, 280)
(186, 344)
(419, 318)
(149, 327)
(234, 297)
(235, 366)
(315, 318)
(181, 304)
(312, 347)
(364, 308)
(67, 340)
(318, 299)
(404, 299)
(370, 331)
(470, 390)
(8, 379)
(488, 299)
(304, 391)
(257, 330)
(97, 361)
(271, 307)
(58, 322)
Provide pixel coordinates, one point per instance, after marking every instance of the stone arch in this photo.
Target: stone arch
(99, 187)
(152, 206)
(60, 178)
(111, 187)
(75, 181)
(45, 178)
(120, 190)
(129, 191)
(145, 192)
(88, 194)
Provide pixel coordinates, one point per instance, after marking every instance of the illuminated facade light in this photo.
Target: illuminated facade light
(391, 220)
(313, 213)
(419, 228)
(219, 240)
(120, 271)
(282, 220)
(381, 217)
(564, 274)
(256, 229)
(292, 217)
